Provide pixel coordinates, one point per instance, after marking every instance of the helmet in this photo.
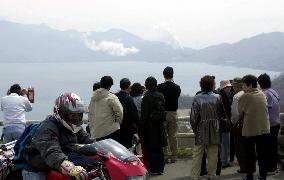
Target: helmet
(68, 103)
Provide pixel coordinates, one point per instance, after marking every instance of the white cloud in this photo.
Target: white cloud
(165, 33)
(110, 47)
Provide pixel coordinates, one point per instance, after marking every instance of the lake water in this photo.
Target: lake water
(51, 79)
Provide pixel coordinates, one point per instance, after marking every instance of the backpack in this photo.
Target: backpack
(21, 156)
(158, 113)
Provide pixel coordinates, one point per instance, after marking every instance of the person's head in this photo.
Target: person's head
(16, 88)
(168, 72)
(125, 84)
(97, 85)
(237, 84)
(264, 81)
(106, 82)
(249, 82)
(151, 83)
(136, 90)
(225, 85)
(207, 83)
(70, 108)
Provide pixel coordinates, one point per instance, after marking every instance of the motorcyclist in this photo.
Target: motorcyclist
(53, 146)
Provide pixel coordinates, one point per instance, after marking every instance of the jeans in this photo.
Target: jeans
(225, 148)
(11, 133)
(29, 175)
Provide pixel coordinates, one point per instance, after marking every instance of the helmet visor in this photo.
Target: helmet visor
(75, 118)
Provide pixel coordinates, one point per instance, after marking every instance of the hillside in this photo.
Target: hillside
(278, 85)
(40, 43)
(264, 51)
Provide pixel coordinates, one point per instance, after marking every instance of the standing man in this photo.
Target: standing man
(153, 116)
(171, 92)
(14, 106)
(130, 114)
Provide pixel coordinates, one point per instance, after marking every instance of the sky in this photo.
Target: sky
(185, 23)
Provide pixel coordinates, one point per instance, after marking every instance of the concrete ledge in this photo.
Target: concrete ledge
(185, 140)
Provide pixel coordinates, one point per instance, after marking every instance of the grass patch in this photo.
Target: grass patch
(182, 153)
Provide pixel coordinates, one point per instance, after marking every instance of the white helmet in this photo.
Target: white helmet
(68, 103)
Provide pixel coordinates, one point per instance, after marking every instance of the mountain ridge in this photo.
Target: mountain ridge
(41, 43)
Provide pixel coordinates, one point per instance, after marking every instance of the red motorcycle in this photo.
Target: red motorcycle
(113, 162)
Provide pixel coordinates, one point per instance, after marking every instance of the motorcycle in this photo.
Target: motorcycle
(113, 162)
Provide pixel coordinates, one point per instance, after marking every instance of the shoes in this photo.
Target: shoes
(167, 161)
(155, 173)
(247, 178)
(203, 173)
(173, 160)
(273, 172)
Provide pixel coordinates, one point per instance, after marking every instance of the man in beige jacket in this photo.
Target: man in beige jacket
(253, 107)
(105, 112)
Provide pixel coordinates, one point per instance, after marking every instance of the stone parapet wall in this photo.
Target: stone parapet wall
(185, 140)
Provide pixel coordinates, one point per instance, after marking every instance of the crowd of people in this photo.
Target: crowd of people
(237, 120)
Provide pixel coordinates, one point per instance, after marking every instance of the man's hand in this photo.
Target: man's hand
(68, 168)
(24, 92)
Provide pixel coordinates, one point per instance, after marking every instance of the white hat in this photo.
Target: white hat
(225, 83)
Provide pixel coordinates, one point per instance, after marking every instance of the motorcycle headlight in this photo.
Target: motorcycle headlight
(137, 177)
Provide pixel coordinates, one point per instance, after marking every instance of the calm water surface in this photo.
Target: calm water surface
(51, 79)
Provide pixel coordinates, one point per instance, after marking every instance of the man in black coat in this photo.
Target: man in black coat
(171, 92)
(130, 114)
(151, 123)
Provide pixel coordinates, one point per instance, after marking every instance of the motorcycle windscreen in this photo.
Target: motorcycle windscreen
(119, 151)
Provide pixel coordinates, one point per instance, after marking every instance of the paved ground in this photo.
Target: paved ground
(181, 171)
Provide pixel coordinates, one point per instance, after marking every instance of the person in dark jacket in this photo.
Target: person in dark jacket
(53, 146)
(225, 87)
(130, 114)
(171, 92)
(151, 122)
